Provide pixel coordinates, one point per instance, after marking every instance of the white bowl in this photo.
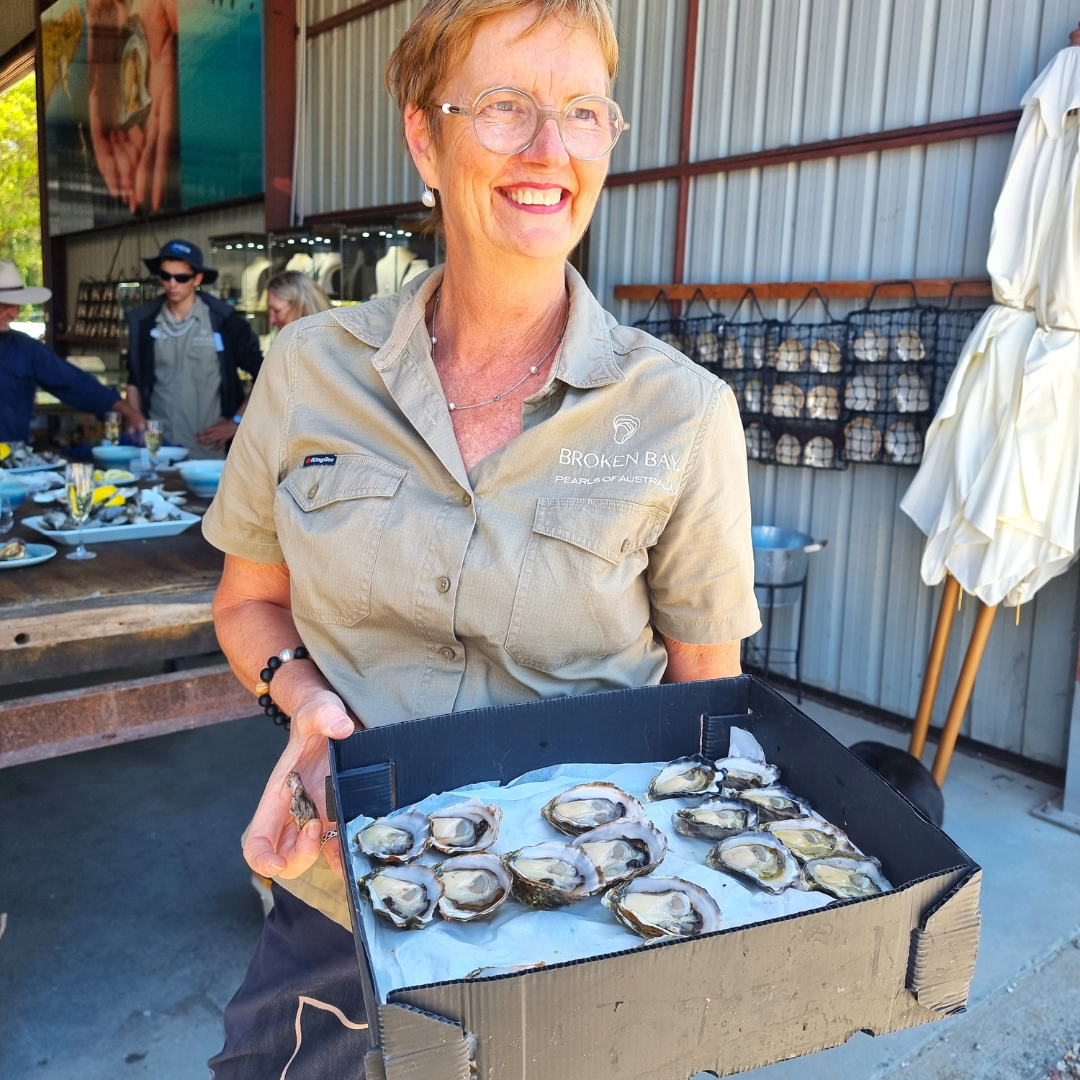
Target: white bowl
(172, 454)
(201, 477)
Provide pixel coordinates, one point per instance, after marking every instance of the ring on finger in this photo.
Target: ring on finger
(328, 835)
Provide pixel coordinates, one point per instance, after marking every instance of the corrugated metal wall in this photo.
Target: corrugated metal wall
(771, 73)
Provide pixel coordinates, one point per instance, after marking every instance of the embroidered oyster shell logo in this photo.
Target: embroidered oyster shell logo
(626, 427)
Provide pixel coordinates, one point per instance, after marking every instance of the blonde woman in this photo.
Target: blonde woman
(291, 295)
(478, 491)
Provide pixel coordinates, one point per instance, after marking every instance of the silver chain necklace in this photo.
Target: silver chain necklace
(498, 397)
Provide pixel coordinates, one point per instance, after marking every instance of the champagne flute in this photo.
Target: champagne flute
(80, 496)
(112, 428)
(153, 444)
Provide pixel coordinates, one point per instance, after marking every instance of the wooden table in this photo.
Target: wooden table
(140, 603)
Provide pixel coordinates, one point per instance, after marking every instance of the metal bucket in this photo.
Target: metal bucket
(780, 558)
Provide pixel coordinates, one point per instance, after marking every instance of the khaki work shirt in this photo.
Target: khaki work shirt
(420, 588)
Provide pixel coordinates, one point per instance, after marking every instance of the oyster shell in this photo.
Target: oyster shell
(13, 549)
(811, 838)
(847, 879)
(686, 777)
(472, 886)
(663, 907)
(715, 819)
(621, 850)
(551, 875)
(758, 856)
(776, 803)
(584, 807)
(495, 971)
(469, 826)
(406, 895)
(399, 837)
(301, 806)
(135, 100)
(741, 773)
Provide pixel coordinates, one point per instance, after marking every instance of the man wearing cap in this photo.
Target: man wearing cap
(26, 364)
(184, 352)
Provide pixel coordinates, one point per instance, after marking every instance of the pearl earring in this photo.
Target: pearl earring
(428, 197)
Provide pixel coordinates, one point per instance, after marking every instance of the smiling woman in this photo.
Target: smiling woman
(482, 490)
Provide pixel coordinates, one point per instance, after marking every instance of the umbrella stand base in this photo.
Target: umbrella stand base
(1056, 815)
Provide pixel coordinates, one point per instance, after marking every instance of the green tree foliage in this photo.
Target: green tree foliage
(20, 209)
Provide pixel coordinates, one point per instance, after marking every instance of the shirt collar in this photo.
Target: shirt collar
(586, 359)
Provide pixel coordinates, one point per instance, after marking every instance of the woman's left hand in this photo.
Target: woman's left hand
(274, 846)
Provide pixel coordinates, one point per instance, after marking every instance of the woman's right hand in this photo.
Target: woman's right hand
(274, 847)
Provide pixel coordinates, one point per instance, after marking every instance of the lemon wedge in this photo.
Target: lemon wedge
(5, 451)
(116, 500)
(101, 494)
(116, 475)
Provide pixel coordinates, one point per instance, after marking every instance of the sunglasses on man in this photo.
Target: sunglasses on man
(180, 279)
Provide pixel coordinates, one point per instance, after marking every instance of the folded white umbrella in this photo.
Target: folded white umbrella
(998, 490)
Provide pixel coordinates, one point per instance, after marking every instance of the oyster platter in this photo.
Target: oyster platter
(586, 860)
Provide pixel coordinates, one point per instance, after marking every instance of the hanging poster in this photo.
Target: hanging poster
(151, 106)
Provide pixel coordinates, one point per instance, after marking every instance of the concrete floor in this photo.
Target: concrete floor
(120, 954)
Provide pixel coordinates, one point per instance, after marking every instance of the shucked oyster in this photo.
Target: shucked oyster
(745, 766)
(847, 879)
(715, 819)
(406, 895)
(811, 838)
(13, 549)
(586, 806)
(776, 803)
(469, 826)
(399, 837)
(551, 875)
(758, 856)
(686, 777)
(472, 886)
(663, 907)
(621, 850)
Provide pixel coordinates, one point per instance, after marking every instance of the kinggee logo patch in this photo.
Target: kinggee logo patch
(319, 459)
(626, 427)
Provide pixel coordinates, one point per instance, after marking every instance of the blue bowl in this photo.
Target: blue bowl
(114, 457)
(14, 492)
(201, 477)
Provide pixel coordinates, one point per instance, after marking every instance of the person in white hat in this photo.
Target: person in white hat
(26, 364)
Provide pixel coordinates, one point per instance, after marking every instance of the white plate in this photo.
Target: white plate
(35, 553)
(150, 531)
(33, 468)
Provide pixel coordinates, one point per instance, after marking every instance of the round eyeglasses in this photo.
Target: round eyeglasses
(507, 121)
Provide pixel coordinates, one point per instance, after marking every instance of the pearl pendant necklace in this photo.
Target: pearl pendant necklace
(498, 397)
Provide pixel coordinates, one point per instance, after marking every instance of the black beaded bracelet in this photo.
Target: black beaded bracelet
(262, 688)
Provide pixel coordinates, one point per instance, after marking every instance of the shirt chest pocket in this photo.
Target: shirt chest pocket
(582, 592)
(330, 521)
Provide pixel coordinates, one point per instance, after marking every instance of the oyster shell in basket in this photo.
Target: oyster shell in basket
(825, 357)
(551, 875)
(909, 346)
(811, 838)
(621, 850)
(790, 355)
(469, 826)
(399, 837)
(663, 907)
(406, 895)
(847, 878)
(585, 806)
(715, 819)
(870, 346)
(759, 856)
(473, 886)
(686, 777)
(776, 803)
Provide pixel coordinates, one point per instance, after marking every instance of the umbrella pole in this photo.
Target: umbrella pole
(962, 696)
(933, 666)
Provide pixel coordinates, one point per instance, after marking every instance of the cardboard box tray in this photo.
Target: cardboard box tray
(724, 1003)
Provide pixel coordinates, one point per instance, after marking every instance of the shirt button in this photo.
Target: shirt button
(313, 491)
(625, 546)
(443, 584)
(447, 654)
(466, 499)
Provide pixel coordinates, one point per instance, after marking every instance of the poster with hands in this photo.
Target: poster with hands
(134, 118)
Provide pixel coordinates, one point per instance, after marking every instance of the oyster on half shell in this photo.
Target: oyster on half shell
(399, 837)
(742, 773)
(847, 879)
(586, 806)
(686, 777)
(776, 803)
(13, 549)
(472, 886)
(551, 875)
(715, 819)
(811, 838)
(406, 895)
(621, 850)
(468, 826)
(663, 907)
(758, 856)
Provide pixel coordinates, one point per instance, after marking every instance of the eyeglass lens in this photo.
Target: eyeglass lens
(182, 279)
(505, 122)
